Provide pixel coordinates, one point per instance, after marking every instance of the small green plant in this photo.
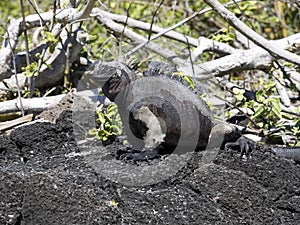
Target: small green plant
(225, 35)
(267, 112)
(110, 124)
(296, 131)
(26, 93)
(31, 70)
(266, 109)
(51, 40)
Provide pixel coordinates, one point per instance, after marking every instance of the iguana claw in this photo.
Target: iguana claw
(246, 146)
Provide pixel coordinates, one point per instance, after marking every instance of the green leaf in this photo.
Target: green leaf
(238, 91)
(116, 129)
(190, 81)
(260, 95)
(112, 109)
(178, 73)
(30, 70)
(239, 94)
(50, 37)
(269, 85)
(260, 124)
(51, 48)
(259, 111)
(101, 118)
(107, 133)
(240, 97)
(276, 109)
(101, 94)
(38, 55)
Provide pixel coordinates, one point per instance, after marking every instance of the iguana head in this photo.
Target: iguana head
(115, 84)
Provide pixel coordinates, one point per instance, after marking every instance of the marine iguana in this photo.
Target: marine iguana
(292, 153)
(160, 113)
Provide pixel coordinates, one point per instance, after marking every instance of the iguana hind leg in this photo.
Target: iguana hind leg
(246, 146)
(225, 135)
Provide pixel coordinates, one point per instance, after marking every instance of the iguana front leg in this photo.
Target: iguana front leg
(152, 133)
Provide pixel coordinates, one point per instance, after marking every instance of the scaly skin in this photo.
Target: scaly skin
(141, 119)
(185, 119)
(288, 153)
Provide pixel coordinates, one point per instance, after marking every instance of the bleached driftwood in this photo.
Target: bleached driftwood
(50, 76)
(62, 16)
(13, 123)
(259, 40)
(37, 105)
(254, 58)
(30, 105)
(205, 43)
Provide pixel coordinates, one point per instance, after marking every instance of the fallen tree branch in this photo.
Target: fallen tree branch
(244, 60)
(252, 35)
(255, 58)
(32, 105)
(172, 28)
(51, 76)
(204, 43)
(13, 123)
(37, 105)
(138, 39)
(15, 29)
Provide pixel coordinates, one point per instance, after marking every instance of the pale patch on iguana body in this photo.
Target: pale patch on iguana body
(154, 135)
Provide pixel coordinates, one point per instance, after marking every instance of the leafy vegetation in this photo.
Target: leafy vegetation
(225, 35)
(110, 124)
(266, 112)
